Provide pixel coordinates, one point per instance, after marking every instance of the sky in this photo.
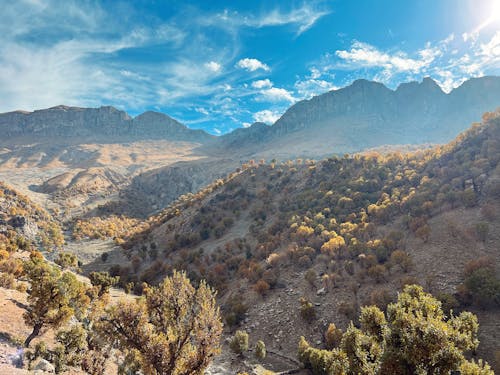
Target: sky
(220, 65)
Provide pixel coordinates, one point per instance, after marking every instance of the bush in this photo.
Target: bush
(310, 276)
(66, 260)
(484, 287)
(413, 337)
(307, 310)
(482, 230)
(333, 336)
(260, 350)
(239, 342)
(401, 259)
(380, 298)
(261, 287)
(234, 310)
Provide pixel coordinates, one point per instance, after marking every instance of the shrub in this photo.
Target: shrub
(484, 287)
(448, 302)
(401, 259)
(103, 281)
(307, 311)
(377, 273)
(413, 337)
(239, 342)
(333, 336)
(261, 287)
(66, 260)
(310, 276)
(260, 350)
(482, 230)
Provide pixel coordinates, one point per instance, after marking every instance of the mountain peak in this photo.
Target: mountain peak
(428, 82)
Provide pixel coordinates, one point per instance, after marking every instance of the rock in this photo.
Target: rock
(45, 366)
(17, 221)
(321, 292)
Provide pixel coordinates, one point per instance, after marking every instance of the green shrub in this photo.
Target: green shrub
(260, 350)
(239, 342)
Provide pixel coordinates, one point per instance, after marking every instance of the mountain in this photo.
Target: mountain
(151, 159)
(333, 236)
(368, 114)
(97, 124)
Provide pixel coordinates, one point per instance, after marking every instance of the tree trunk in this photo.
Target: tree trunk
(35, 333)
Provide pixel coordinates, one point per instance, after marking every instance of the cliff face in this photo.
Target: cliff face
(368, 114)
(95, 123)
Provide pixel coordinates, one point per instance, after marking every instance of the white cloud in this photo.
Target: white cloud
(491, 50)
(213, 66)
(262, 83)
(311, 87)
(267, 116)
(247, 124)
(364, 55)
(217, 131)
(275, 94)
(252, 65)
(201, 110)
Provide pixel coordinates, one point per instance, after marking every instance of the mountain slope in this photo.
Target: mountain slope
(342, 233)
(368, 114)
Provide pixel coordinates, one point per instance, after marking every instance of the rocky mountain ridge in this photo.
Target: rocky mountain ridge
(95, 123)
(368, 114)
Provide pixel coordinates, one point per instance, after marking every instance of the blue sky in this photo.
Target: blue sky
(219, 65)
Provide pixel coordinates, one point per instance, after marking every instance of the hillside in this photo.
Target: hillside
(341, 233)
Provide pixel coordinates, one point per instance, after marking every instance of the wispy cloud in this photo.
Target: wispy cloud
(301, 18)
(448, 61)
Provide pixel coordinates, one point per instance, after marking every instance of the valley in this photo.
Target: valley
(345, 200)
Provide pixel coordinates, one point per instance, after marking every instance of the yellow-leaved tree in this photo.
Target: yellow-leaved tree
(174, 328)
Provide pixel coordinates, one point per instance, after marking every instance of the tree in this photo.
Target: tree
(66, 260)
(53, 298)
(174, 328)
(103, 281)
(413, 338)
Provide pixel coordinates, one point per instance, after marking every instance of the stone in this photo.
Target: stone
(321, 292)
(45, 366)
